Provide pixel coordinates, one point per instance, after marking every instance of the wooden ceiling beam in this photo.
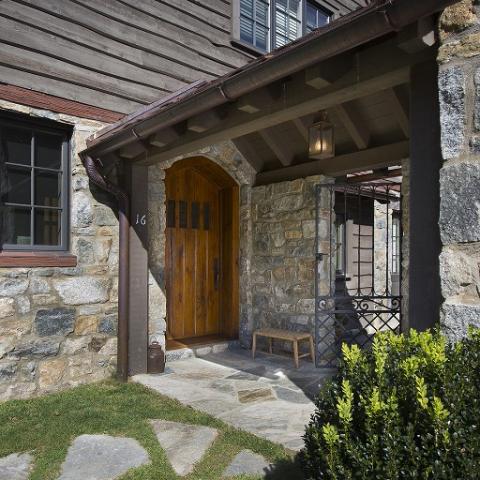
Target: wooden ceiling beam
(278, 146)
(255, 102)
(301, 127)
(399, 110)
(244, 146)
(380, 69)
(328, 72)
(164, 137)
(132, 150)
(203, 122)
(370, 159)
(355, 125)
(418, 36)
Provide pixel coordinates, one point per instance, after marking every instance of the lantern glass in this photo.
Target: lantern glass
(321, 140)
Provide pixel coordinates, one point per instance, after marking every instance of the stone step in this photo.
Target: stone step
(201, 350)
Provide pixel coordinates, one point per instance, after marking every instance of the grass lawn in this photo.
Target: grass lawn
(47, 425)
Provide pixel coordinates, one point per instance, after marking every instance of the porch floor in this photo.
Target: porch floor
(266, 396)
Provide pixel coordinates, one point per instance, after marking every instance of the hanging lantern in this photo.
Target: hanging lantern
(321, 141)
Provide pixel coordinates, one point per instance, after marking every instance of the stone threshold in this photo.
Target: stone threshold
(202, 350)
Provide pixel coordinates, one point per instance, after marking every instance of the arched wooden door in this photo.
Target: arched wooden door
(197, 279)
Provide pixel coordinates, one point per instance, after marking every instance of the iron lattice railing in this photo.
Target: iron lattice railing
(358, 265)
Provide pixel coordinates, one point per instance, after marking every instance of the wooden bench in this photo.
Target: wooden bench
(278, 334)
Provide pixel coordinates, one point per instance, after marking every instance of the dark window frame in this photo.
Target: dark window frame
(47, 126)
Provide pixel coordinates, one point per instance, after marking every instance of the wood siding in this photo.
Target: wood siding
(119, 54)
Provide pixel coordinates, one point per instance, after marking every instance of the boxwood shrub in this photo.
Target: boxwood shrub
(407, 409)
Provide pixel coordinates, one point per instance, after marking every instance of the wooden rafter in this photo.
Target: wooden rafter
(399, 110)
(356, 127)
(299, 100)
(301, 127)
(278, 146)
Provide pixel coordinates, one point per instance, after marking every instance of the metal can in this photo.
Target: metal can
(156, 358)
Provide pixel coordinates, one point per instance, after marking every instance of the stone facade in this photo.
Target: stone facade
(459, 88)
(58, 325)
(283, 255)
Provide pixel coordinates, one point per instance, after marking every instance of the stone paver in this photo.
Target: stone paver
(267, 397)
(16, 466)
(184, 445)
(102, 457)
(247, 463)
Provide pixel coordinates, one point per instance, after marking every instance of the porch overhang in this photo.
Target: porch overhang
(266, 107)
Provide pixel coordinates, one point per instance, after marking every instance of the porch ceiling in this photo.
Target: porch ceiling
(365, 92)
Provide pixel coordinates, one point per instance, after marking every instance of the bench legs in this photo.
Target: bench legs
(296, 357)
(312, 350)
(295, 352)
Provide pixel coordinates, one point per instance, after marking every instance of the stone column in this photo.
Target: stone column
(459, 85)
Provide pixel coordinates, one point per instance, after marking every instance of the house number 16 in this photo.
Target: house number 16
(142, 220)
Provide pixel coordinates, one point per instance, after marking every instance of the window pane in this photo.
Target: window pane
(261, 12)
(48, 151)
(15, 225)
(16, 145)
(316, 17)
(47, 188)
(254, 22)
(47, 227)
(15, 186)
(246, 30)
(261, 36)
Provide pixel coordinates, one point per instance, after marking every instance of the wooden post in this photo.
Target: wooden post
(424, 296)
(137, 177)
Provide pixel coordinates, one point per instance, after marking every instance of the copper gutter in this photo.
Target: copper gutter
(380, 18)
(92, 167)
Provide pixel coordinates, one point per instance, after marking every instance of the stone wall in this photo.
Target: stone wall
(459, 88)
(283, 259)
(58, 325)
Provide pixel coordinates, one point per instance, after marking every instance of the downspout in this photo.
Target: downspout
(93, 171)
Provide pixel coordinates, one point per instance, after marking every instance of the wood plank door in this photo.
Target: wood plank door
(193, 254)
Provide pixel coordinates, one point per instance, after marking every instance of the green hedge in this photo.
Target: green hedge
(407, 409)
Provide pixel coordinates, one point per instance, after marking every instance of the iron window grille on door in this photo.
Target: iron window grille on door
(268, 24)
(34, 185)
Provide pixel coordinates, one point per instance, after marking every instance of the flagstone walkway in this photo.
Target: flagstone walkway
(103, 457)
(267, 397)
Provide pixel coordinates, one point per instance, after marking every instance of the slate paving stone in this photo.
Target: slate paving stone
(290, 395)
(102, 457)
(247, 463)
(256, 395)
(243, 376)
(184, 444)
(16, 466)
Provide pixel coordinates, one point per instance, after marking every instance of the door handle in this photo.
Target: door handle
(216, 273)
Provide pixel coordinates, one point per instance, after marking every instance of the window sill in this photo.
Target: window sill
(247, 47)
(37, 259)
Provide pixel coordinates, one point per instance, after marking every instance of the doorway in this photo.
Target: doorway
(202, 236)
